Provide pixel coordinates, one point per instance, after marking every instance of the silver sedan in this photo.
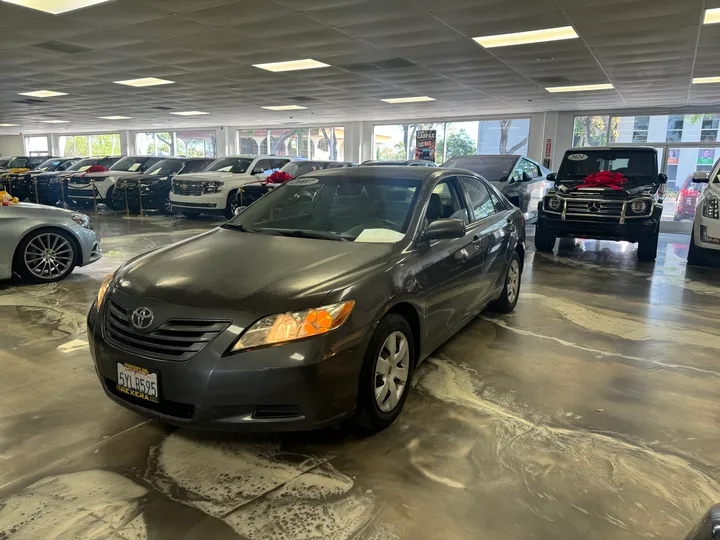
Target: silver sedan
(43, 244)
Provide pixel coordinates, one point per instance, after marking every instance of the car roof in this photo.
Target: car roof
(611, 148)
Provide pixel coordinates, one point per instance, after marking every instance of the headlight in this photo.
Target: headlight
(214, 187)
(292, 326)
(81, 219)
(555, 203)
(104, 289)
(638, 207)
(710, 208)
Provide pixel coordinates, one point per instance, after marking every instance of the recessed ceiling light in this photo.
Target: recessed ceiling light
(115, 117)
(55, 121)
(706, 80)
(147, 81)
(580, 88)
(55, 6)
(712, 16)
(189, 113)
(42, 93)
(284, 108)
(292, 65)
(523, 38)
(417, 99)
(8, 125)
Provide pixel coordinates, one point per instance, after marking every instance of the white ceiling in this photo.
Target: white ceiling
(649, 49)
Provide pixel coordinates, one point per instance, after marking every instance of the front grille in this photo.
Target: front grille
(165, 406)
(182, 188)
(594, 208)
(177, 339)
(267, 412)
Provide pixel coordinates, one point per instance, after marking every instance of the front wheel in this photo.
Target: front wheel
(511, 291)
(45, 256)
(385, 375)
(167, 208)
(647, 249)
(231, 205)
(544, 241)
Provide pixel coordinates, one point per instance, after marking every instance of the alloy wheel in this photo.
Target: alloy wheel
(48, 255)
(513, 281)
(391, 371)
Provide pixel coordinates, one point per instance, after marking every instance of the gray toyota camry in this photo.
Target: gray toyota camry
(311, 306)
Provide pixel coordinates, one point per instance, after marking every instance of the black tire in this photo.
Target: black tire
(108, 197)
(20, 266)
(166, 207)
(544, 241)
(647, 249)
(190, 213)
(231, 204)
(509, 296)
(697, 256)
(369, 418)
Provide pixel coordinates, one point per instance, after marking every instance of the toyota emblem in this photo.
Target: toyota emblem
(142, 318)
(594, 206)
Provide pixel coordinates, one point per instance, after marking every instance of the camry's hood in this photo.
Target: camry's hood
(252, 272)
(206, 176)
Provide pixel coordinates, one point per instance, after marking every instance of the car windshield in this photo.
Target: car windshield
(195, 166)
(83, 164)
(296, 168)
(492, 168)
(166, 167)
(639, 165)
(231, 165)
(368, 209)
(50, 165)
(18, 163)
(130, 164)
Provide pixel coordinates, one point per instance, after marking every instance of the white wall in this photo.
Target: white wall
(11, 145)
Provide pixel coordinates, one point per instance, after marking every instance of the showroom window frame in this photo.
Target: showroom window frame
(56, 142)
(132, 135)
(453, 119)
(48, 152)
(268, 129)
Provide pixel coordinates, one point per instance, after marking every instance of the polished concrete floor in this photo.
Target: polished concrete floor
(591, 412)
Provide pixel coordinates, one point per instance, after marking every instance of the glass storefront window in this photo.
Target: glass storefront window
(37, 146)
(507, 136)
(98, 144)
(323, 143)
(188, 143)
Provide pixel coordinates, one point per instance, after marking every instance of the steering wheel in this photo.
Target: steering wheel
(374, 221)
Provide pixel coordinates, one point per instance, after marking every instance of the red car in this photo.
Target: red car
(687, 199)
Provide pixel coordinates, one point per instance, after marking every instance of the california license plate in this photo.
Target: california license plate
(138, 382)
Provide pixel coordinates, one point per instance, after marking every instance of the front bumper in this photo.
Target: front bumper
(207, 202)
(600, 229)
(706, 232)
(152, 199)
(301, 385)
(89, 243)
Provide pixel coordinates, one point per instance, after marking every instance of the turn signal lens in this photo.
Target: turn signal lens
(103, 289)
(292, 326)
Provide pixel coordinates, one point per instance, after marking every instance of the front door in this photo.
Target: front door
(450, 267)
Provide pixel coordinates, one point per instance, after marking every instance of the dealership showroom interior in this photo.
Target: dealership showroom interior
(359, 269)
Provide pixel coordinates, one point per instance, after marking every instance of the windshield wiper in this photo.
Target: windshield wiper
(301, 233)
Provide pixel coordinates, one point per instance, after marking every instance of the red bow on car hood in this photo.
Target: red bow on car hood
(605, 179)
(278, 177)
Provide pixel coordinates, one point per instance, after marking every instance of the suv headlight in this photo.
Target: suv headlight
(81, 219)
(293, 326)
(710, 208)
(214, 187)
(554, 203)
(638, 207)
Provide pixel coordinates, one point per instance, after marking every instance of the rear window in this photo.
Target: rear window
(630, 163)
(18, 163)
(492, 168)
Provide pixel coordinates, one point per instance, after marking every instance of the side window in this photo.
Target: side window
(278, 164)
(479, 200)
(497, 203)
(446, 202)
(530, 168)
(261, 166)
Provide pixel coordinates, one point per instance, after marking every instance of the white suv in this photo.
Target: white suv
(215, 189)
(705, 239)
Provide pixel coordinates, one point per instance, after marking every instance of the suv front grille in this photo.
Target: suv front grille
(177, 339)
(596, 208)
(181, 188)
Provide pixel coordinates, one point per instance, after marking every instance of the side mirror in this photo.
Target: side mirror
(239, 210)
(526, 177)
(701, 177)
(552, 177)
(442, 229)
(709, 526)
(663, 178)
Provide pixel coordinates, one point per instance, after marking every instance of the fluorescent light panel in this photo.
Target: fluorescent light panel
(8, 125)
(55, 6)
(55, 121)
(42, 93)
(147, 81)
(292, 65)
(284, 108)
(417, 99)
(189, 113)
(712, 16)
(115, 117)
(580, 88)
(523, 38)
(706, 80)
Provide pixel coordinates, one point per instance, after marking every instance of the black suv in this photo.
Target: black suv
(604, 193)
